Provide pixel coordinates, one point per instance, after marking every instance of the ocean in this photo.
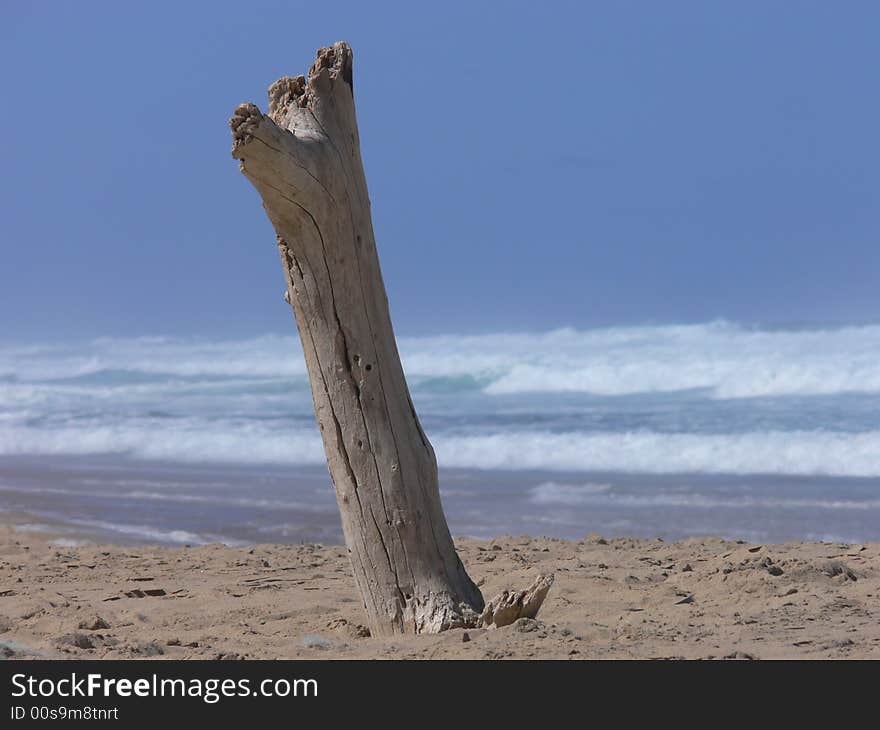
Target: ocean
(669, 431)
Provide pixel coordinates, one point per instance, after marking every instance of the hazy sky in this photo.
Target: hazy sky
(530, 165)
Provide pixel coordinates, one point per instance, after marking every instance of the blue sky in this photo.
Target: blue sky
(530, 165)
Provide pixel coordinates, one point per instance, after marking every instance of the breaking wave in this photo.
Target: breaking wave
(706, 398)
(771, 452)
(728, 360)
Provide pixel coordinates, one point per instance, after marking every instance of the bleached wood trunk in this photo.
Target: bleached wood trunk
(304, 159)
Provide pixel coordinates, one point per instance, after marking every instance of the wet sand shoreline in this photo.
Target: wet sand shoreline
(120, 500)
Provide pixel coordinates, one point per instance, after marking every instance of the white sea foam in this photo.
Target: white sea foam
(728, 360)
(260, 356)
(769, 452)
(174, 496)
(64, 523)
(32, 527)
(570, 495)
(153, 534)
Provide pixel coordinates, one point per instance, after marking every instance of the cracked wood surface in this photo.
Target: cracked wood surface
(303, 157)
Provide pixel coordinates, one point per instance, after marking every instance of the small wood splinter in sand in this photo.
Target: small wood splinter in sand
(304, 159)
(512, 605)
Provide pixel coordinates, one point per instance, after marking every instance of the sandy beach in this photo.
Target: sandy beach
(702, 598)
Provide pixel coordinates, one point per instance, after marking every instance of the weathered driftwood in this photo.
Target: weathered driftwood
(303, 157)
(509, 606)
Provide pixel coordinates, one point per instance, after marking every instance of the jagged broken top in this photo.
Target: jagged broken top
(294, 90)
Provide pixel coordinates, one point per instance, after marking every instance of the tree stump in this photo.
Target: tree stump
(303, 157)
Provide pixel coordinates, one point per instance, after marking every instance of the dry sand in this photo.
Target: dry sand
(615, 598)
